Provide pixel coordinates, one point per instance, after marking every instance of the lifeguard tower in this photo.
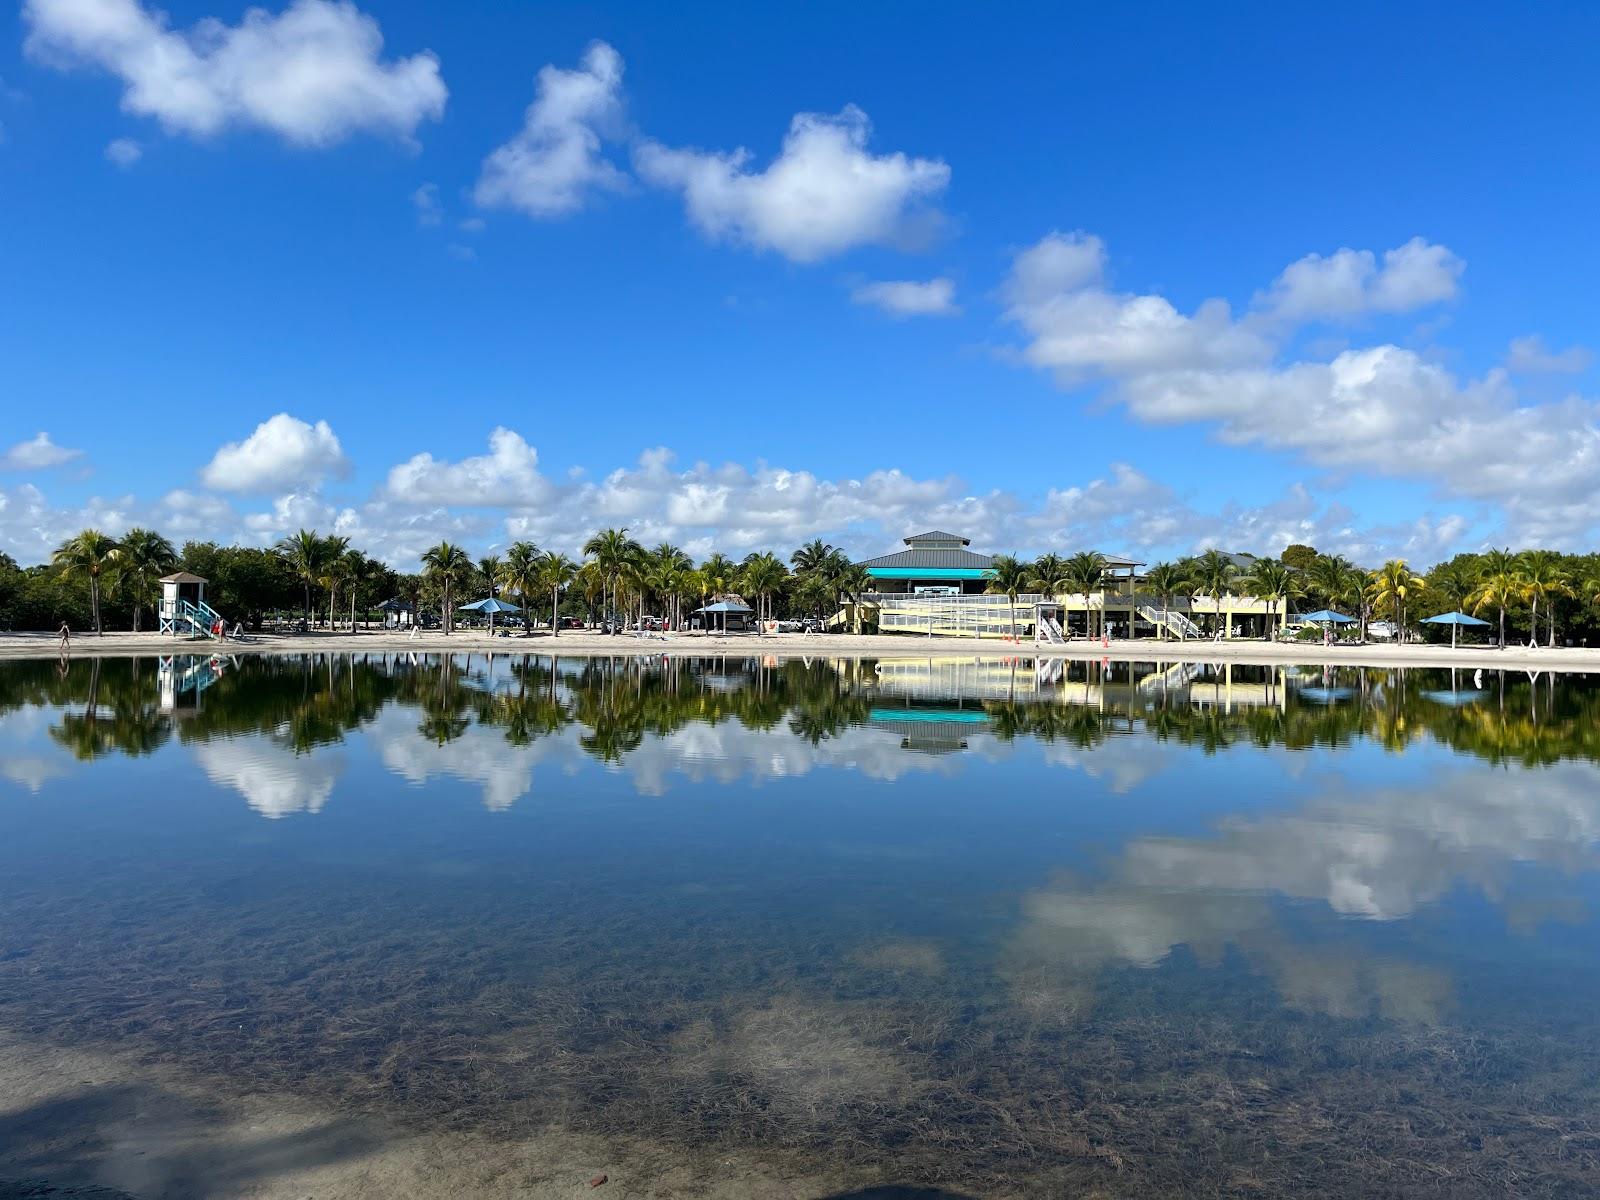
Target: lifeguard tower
(184, 611)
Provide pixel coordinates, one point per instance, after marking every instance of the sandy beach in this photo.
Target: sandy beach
(793, 645)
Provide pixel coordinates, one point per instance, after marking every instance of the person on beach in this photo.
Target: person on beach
(65, 633)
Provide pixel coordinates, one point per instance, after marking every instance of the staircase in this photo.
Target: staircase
(1178, 675)
(200, 617)
(1177, 622)
(1050, 630)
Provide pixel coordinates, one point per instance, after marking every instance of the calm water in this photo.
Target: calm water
(1056, 930)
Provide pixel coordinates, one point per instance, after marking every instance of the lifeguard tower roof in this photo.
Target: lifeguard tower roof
(182, 577)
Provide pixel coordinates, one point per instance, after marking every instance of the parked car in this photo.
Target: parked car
(571, 622)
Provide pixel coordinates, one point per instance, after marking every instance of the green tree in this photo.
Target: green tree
(1084, 574)
(555, 572)
(520, 574)
(613, 552)
(763, 574)
(307, 556)
(1008, 576)
(143, 557)
(1542, 577)
(1391, 587)
(1166, 580)
(1272, 581)
(88, 555)
(1497, 585)
(447, 565)
(1297, 556)
(1215, 576)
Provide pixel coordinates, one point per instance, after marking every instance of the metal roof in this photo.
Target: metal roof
(932, 558)
(937, 535)
(725, 606)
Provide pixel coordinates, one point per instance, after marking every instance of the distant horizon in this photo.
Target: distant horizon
(737, 281)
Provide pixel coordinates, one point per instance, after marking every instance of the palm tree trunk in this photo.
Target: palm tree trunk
(94, 602)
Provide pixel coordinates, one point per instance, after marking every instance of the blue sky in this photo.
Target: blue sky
(265, 272)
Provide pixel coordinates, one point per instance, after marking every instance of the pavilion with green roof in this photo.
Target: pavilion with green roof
(933, 563)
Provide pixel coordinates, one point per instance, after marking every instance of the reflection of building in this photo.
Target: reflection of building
(931, 730)
(180, 679)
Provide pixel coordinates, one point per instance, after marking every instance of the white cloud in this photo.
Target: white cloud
(283, 452)
(555, 161)
(38, 453)
(311, 74)
(1383, 409)
(1079, 328)
(1349, 283)
(426, 202)
(825, 192)
(508, 476)
(908, 298)
(124, 152)
(1530, 356)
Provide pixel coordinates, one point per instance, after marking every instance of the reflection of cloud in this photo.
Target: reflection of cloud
(273, 781)
(1123, 763)
(1379, 856)
(32, 771)
(480, 755)
(732, 753)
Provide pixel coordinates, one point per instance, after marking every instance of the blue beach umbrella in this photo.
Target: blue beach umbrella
(491, 606)
(1326, 616)
(1455, 620)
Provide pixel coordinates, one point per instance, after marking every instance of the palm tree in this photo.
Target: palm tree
(816, 556)
(519, 574)
(352, 569)
(1048, 574)
(1542, 578)
(1166, 580)
(307, 556)
(854, 581)
(1215, 575)
(333, 549)
(555, 571)
(1084, 574)
(1391, 585)
(612, 550)
(1271, 581)
(88, 555)
(1450, 583)
(763, 574)
(489, 570)
(448, 564)
(142, 558)
(1497, 585)
(1008, 575)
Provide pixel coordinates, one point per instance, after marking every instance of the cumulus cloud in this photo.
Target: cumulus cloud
(1382, 409)
(124, 152)
(825, 192)
(38, 453)
(312, 74)
(507, 477)
(1530, 356)
(1350, 283)
(283, 453)
(487, 500)
(556, 161)
(908, 298)
(1079, 328)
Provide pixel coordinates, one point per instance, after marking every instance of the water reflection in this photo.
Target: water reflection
(1113, 929)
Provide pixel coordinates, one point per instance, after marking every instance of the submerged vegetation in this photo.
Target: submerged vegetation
(809, 1005)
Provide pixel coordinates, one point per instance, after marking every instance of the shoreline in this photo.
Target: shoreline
(576, 643)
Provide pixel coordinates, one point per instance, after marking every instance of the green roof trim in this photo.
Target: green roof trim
(927, 572)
